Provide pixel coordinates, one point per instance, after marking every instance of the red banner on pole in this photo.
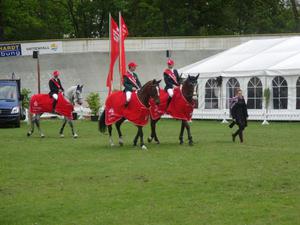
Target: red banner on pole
(123, 35)
(114, 52)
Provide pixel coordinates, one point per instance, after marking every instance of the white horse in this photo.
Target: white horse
(74, 95)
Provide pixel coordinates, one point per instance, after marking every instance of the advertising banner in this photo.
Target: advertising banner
(42, 47)
(7, 50)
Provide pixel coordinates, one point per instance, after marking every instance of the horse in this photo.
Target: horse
(149, 90)
(187, 89)
(73, 95)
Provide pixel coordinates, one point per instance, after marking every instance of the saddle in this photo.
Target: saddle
(41, 103)
(178, 108)
(135, 111)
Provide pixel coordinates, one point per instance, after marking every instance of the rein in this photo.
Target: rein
(187, 94)
(143, 96)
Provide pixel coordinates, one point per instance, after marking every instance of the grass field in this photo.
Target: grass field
(84, 181)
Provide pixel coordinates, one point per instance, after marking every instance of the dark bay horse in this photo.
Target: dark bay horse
(149, 90)
(188, 87)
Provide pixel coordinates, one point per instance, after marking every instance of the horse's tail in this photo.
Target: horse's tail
(102, 125)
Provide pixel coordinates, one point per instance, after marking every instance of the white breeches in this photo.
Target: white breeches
(128, 96)
(170, 92)
(55, 96)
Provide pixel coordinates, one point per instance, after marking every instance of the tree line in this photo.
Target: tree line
(56, 19)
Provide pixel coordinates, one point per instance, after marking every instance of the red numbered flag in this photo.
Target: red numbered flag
(123, 36)
(114, 52)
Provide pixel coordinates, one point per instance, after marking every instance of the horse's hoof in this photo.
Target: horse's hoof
(144, 147)
(121, 143)
(62, 136)
(28, 134)
(157, 141)
(42, 135)
(149, 139)
(191, 143)
(181, 142)
(75, 136)
(112, 144)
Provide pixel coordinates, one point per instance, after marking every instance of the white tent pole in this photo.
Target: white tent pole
(265, 122)
(223, 109)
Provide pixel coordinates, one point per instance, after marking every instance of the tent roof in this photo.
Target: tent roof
(278, 56)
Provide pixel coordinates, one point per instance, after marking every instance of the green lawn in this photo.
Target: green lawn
(84, 181)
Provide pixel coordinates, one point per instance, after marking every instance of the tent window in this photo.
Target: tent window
(231, 86)
(211, 94)
(280, 93)
(298, 94)
(255, 93)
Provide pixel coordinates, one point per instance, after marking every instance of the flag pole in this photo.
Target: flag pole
(120, 50)
(109, 40)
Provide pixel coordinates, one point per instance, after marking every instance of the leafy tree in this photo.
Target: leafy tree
(43, 19)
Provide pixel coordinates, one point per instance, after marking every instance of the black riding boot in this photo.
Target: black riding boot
(54, 105)
(169, 100)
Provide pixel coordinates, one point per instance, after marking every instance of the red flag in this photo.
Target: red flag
(114, 52)
(123, 35)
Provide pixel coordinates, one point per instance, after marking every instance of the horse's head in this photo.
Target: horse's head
(154, 90)
(150, 90)
(189, 85)
(78, 95)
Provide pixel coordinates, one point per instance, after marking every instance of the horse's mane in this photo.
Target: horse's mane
(146, 84)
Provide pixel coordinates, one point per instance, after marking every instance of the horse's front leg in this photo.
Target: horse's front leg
(72, 128)
(136, 137)
(118, 126)
(187, 125)
(31, 129)
(153, 132)
(61, 131)
(37, 122)
(111, 142)
(140, 131)
(181, 132)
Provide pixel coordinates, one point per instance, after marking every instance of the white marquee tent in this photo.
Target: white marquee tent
(254, 66)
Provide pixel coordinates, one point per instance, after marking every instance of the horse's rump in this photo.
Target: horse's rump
(179, 107)
(156, 111)
(115, 109)
(41, 103)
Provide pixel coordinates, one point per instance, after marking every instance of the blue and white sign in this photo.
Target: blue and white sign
(7, 50)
